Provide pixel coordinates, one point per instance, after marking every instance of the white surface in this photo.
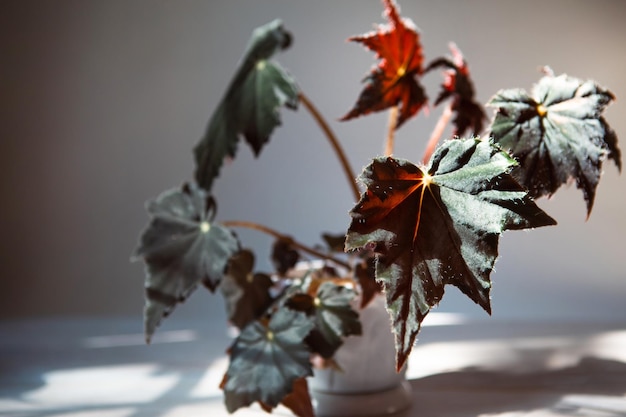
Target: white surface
(480, 369)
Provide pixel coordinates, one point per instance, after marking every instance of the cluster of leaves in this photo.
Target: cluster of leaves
(250, 106)
(279, 334)
(396, 80)
(437, 225)
(415, 228)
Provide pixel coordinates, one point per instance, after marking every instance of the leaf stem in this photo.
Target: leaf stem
(292, 242)
(391, 130)
(347, 169)
(443, 121)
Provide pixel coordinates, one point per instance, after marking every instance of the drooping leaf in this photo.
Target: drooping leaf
(250, 106)
(267, 359)
(458, 86)
(394, 81)
(334, 316)
(557, 133)
(284, 255)
(181, 248)
(438, 226)
(247, 294)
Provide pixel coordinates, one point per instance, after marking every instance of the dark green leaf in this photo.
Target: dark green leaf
(181, 248)
(437, 227)
(247, 294)
(250, 105)
(265, 361)
(334, 316)
(557, 133)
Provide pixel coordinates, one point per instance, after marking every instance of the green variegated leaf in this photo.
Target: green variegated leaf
(557, 133)
(181, 248)
(267, 359)
(437, 226)
(250, 106)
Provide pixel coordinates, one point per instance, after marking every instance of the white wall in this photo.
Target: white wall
(102, 102)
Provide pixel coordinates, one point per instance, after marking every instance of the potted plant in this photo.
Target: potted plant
(415, 227)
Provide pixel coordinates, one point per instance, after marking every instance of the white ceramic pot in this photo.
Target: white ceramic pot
(368, 384)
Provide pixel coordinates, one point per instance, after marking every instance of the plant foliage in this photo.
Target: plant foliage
(557, 132)
(414, 230)
(394, 80)
(438, 226)
(459, 87)
(181, 247)
(250, 106)
(266, 360)
(247, 294)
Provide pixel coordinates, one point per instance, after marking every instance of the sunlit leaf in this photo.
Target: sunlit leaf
(267, 359)
(458, 87)
(557, 133)
(250, 106)
(394, 80)
(436, 226)
(181, 248)
(247, 294)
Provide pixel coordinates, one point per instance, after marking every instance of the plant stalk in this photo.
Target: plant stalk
(292, 242)
(347, 169)
(443, 121)
(391, 130)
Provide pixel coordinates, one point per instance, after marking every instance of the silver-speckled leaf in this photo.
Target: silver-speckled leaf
(557, 133)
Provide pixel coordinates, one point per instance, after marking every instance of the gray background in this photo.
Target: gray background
(102, 101)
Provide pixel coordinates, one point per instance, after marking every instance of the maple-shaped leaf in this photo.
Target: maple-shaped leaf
(334, 316)
(557, 133)
(247, 294)
(394, 81)
(250, 106)
(181, 248)
(458, 86)
(438, 225)
(266, 360)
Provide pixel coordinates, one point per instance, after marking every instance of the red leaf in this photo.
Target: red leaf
(299, 400)
(458, 85)
(394, 80)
